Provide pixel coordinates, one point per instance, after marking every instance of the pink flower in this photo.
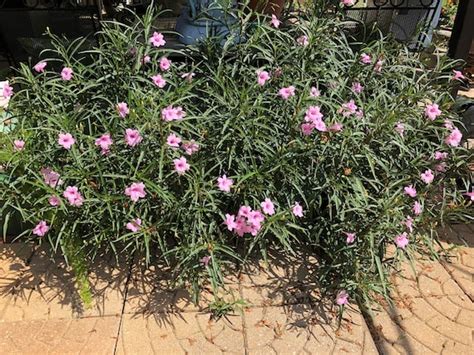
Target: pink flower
(410, 191)
(357, 87)
(268, 207)
(41, 229)
(157, 40)
(457, 75)
(409, 223)
(188, 76)
(104, 142)
(470, 195)
(181, 165)
(307, 128)
(441, 167)
(18, 144)
(440, 155)
(417, 208)
(123, 109)
(348, 2)
(256, 217)
(348, 108)
(275, 21)
(427, 176)
(313, 114)
(54, 201)
(7, 91)
(66, 140)
(320, 126)
(401, 240)
(378, 66)
(287, 92)
(165, 64)
(359, 113)
(134, 225)
(190, 147)
(136, 191)
(448, 124)
(132, 137)
(454, 138)
(314, 92)
(336, 127)
(230, 222)
(173, 140)
(146, 59)
(262, 77)
(51, 177)
(342, 298)
(73, 196)
(247, 221)
(224, 183)
(303, 40)
(171, 113)
(432, 111)
(297, 210)
(350, 237)
(244, 211)
(241, 227)
(66, 73)
(39, 67)
(204, 261)
(400, 128)
(365, 58)
(159, 81)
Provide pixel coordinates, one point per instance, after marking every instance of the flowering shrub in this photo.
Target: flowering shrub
(297, 136)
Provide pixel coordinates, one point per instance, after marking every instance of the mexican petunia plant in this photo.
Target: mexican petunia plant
(299, 136)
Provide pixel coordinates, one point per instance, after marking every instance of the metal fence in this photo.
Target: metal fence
(410, 21)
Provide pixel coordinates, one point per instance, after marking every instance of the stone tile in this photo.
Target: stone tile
(450, 330)
(462, 275)
(430, 279)
(151, 291)
(461, 265)
(185, 332)
(13, 263)
(393, 339)
(74, 336)
(284, 280)
(47, 290)
(148, 292)
(435, 323)
(304, 329)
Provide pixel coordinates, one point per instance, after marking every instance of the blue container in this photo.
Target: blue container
(204, 19)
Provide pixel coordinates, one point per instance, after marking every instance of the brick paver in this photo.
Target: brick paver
(432, 313)
(45, 290)
(183, 332)
(137, 311)
(95, 335)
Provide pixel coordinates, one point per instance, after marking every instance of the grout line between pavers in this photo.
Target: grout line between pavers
(244, 324)
(122, 313)
(443, 264)
(369, 324)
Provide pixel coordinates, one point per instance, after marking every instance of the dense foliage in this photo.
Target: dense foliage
(298, 136)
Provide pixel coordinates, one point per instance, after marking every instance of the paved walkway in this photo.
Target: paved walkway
(136, 313)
